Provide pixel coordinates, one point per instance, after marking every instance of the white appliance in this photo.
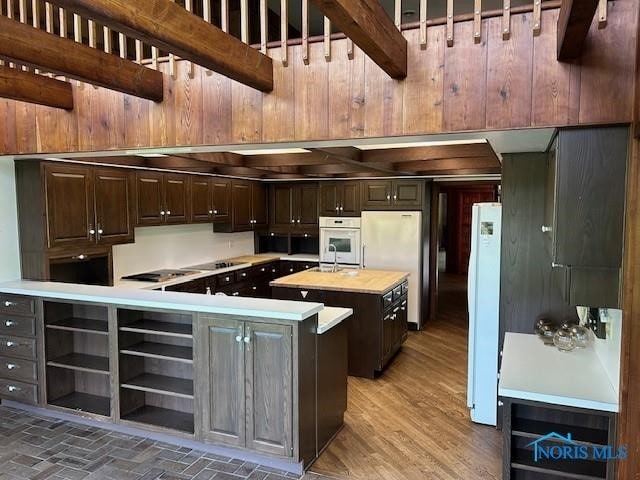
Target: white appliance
(484, 309)
(393, 241)
(340, 240)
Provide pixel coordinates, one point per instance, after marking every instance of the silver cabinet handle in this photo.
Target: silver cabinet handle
(388, 197)
(298, 220)
(100, 231)
(243, 274)
(546, 229)
(13, 388)
(293, 221)
(341, 208)
(254, 288)
(247, 339)
(263, 269)
(210, 212)
(226, 279)
(215, 212)
(10, 304)
(10, 344)
(168, 212)
(82, 256)
(92, 231)
(11, 366)
(10, 323)
(337, 208)
(239, 338)
(395, 197)
(235, 294)
(162, 212)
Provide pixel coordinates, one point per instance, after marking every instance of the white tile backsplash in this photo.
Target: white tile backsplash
(9, 242)
(177, 246)
(608, 350)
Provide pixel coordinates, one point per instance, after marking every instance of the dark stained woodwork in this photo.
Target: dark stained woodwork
(176, 198)
(241, 196)
(352, 157)
(369, 26)
(201, 198)
(305, 204)
(259, 204)
(29, 87)
(392, 194)
(435, 152)
(39, 49)
(574, 23)
(221, 199)
(113, 205)
(169, 26)
(149, 198)
(435, 166)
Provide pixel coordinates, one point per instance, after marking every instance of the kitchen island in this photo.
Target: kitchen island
(378, 299)
(237, 375)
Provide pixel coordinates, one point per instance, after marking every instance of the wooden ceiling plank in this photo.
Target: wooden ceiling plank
(36, 48)
(348, 159)
(287, 159)
(33, 88)
(169, 26)
(409, 154)
(368, 25)
(451, 164)
(574, 21)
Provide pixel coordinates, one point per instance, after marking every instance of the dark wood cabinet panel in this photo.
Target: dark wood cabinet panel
(294, 207)
(281, 206)
(241, 206)
(259, 209)
(221, 200)
(69, 205)
(376, 194)
(408, 193)
(201, 200)
(176, 198)
(149, 198)
(113, 206)
(339, 198)
(350, 199)
(329, 199)
(305, 200)
(392, 194)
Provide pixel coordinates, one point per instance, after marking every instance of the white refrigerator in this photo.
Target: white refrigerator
(393, 241)
(484, 309)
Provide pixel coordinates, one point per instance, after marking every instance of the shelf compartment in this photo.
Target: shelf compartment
(75, 324)
(529, 428)
(84, 402)
(161, 351)
(576, 469)
(82, 362)
(162, 417)
(153, 327)
(172, 386)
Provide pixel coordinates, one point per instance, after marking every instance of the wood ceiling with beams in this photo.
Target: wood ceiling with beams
(464, 159)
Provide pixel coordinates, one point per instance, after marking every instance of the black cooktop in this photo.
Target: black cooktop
(159, 275)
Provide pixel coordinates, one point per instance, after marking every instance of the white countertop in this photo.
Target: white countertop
(534, 371)
(188, 302)
(329, 317)
(301, 257)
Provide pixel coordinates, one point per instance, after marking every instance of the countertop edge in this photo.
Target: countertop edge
(558, 400)
(340, 315)
(274, 283)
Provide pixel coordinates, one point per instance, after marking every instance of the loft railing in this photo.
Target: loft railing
(271, 23)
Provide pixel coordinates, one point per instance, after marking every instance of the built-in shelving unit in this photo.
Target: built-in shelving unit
(77, 357)
(156, 369)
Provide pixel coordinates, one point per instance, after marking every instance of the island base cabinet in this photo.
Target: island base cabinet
(246, 375)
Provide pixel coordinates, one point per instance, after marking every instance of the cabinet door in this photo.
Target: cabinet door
(328, 199)
(269, 370)
(70, 207)
(113, 206)
(221, 382)
(176, 195)
(376, 194)
(149, 198)
(241, 205)
(306, 205)
(259, 210)
(281, 206)
(350, 199)
(389, 332)
(408, 193)
(201, 198)
(221, 200)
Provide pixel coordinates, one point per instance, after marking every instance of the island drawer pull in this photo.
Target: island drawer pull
(238, 338)
(12, 366)
(13, 388)
(10, 323)
(10, 304)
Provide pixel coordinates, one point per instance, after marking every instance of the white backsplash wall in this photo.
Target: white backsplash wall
(177, 246)
(609, 350)
(9, 240)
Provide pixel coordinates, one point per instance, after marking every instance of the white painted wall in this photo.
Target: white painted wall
(9, 242)
(609, 350)
(177, 246)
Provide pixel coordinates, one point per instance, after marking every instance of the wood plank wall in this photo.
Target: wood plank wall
(493, 84)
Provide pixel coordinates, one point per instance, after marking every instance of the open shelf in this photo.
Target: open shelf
(524, 427)
(153, 327)
(84, 402)
(161, 351)
(82, 362)
(576, 469)
(162, 417)
(74, 324)
(148, 382)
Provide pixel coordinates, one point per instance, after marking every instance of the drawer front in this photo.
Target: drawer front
(387, 299)
(15, 305)
(18, 369)
(18, 391)
(242, 275)
(12, 325)
(404, 287)
(17, 347)
(288, 268)
(397, 292)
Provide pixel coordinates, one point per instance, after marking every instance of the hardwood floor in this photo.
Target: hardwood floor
(412, 422)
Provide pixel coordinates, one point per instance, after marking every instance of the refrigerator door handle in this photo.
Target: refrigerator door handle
(363, 247)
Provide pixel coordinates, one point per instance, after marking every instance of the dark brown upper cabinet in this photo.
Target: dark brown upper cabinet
(305, 205)
(162, 198)
(294, 206)
(221, 199)
(248, 207)
(340, 199)
(259, 208)
(210, 199)
(392, 194)
(281, 206)
(87, 206)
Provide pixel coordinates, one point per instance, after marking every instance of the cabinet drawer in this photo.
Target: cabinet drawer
(17, 369)
(18, 347)
(24, 326)
(242, 275)
(405, 287)
(12, 304)
(387, 299)
(18, 391)
(397, 292)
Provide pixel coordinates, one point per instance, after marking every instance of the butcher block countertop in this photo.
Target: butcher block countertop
(261, 258)
(366, 281)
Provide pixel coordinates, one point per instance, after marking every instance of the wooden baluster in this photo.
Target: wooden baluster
(122, 45)
(206, 15)
(244, 20)
(327, 39)
(10, 15)
(77, 34)
(224, 15)
(264, 25)
(398, 13)
(172, 62)
(188, 5)
(423, 24)
(536, 17)
(477, 20)
(284, 31)
(138, 51)
(154, 58)
(602, 14)
(35, 18)
(93, 34)
(106, 39)
(48, 21)
(22, 8)
(450, 23)
(350, 49)
(506, 20)
(62, 20)
(305, 32)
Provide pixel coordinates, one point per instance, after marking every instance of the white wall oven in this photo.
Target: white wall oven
(340, 240)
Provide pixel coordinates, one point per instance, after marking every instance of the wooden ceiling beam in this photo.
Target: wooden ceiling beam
(450, 164)
(165, 24)
(463, 171)
(410, 154)
(29, 87)
(287, 159)
(368, 25)
(36, 48)
(218, 158)
(338, 155)
(574, 22)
